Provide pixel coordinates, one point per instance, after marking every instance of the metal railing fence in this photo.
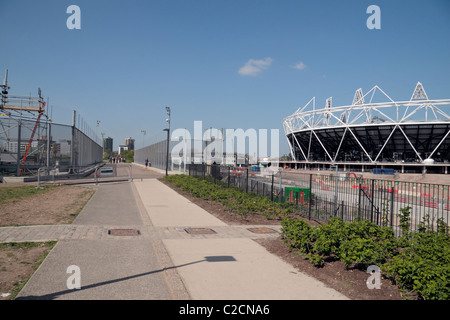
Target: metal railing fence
(322, 196)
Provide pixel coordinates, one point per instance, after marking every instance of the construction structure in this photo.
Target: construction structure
(373, 132)
(29, 140)
(25, 113)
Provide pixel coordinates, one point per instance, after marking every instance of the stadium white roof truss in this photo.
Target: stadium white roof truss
(364, 112)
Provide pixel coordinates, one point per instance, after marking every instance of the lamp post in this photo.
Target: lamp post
(96, 129)
(168, 138)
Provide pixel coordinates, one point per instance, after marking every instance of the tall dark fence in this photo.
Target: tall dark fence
(156, 154)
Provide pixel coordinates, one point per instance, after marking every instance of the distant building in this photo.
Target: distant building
(122, 148)
(64, 147)
(11, 146)
(108, 145)
(129, 142)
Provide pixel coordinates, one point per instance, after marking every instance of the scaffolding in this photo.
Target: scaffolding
(29, 140)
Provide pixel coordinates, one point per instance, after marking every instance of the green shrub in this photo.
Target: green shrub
(233, 198)
(418, 262)
(358, 242)
(297, 233)
(423, 266)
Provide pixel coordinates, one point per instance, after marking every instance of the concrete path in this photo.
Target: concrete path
(182, 252)
(111, 266)
(222, 265)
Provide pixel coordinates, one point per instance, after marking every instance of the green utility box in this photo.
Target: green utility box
(295, 194)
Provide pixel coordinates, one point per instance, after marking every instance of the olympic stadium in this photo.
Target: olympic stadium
(373, 132)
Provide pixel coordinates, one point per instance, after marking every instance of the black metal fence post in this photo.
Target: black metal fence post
(271, 189)
(310, 196)
(371, 209)
(359, 201)
(392, 205)
(246, 183)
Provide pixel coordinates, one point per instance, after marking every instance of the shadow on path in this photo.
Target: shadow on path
(54, 295)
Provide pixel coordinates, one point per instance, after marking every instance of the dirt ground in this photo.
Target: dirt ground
(351, 283)
(17, 264)
(58, 205)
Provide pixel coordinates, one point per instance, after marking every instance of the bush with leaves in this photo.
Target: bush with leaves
(233, 198)
(423, 265)
(357, 242)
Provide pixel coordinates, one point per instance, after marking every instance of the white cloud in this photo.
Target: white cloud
(254, 67)
(299, 66)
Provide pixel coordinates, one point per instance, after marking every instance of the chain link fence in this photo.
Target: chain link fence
(27, 145)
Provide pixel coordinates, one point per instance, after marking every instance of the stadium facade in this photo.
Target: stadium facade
(408, 136)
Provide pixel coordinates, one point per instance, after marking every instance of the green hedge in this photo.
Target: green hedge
(234, 199)
(359, 242)
(418, 262)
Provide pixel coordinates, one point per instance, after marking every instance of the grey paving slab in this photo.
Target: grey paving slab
(118, 270)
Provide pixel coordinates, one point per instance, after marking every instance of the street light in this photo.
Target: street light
(168, 134)
(96, 138)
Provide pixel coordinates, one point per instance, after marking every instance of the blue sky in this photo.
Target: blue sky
(228, 63)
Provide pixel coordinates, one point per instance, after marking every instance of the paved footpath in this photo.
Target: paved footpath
(181, 252)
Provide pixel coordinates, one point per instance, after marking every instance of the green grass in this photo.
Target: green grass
(14, 194)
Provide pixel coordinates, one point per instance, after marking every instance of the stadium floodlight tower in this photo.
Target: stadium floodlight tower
(414, 131)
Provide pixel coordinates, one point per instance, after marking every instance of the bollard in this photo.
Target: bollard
(39, 177)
